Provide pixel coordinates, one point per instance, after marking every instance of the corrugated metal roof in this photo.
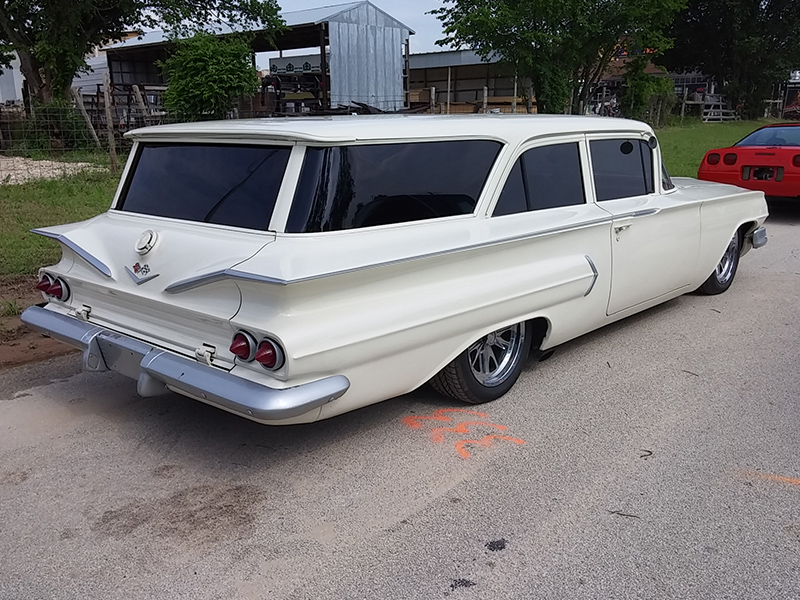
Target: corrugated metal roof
(311, 16)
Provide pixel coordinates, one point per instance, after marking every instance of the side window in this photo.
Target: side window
(348, 187)
(543, 177)
(622, 168)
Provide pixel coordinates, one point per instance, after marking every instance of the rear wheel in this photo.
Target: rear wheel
(722, 277)
(488, 368)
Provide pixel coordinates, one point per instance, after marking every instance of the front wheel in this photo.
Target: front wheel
(487, 369)
(722, 277)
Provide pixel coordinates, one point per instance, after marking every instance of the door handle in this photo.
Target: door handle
(618, 228)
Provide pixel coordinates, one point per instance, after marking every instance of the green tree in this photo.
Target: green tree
(564, 46)
(744, 45)
(206, 74)
(53, 37)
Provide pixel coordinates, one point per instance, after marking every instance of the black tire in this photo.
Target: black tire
(488, 368)
(722, 277)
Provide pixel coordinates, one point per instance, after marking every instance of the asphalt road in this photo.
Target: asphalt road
(656, 458)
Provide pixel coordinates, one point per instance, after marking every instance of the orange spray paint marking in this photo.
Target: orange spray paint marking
(437, 435)
(416, 422)
(486, 441)
(780, 478)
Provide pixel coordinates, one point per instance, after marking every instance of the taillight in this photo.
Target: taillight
(44, 283)
(269, 355)
(729, 159)
(54, 287)
(713, 158)
(243, 346)
(796, 160)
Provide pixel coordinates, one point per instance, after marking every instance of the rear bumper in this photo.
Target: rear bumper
(157, 371)
(759, 237)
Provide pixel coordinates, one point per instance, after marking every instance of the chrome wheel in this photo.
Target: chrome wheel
(727, 264)
(495, 356)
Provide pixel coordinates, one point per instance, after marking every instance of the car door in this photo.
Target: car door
(655, 236)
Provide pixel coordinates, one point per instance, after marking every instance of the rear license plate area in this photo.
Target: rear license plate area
(762, 173)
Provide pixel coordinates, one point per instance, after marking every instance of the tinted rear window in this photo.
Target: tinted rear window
(222, 184)
(772, 136)
(347, 187)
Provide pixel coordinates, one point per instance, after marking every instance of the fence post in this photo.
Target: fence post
(82, 109)
(112, 150)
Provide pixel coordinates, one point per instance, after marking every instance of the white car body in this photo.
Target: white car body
(388, 306)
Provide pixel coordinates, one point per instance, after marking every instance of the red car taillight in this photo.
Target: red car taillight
(729, 159)
(269, 355)
(44, 283)
(54, 287)
(713, 158)
(243, 346)
(796, 160)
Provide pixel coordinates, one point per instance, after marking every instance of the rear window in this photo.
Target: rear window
(348, 187)
(772, 136)
(207, 183)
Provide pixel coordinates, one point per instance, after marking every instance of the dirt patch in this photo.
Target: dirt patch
(17, 169)
(20, 345)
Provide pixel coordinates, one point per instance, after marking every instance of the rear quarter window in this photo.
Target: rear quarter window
(349, 187)
(208, 183)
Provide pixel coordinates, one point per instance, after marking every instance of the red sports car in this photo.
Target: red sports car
(768, 160)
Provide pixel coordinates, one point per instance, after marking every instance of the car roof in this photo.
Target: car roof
(393, 127)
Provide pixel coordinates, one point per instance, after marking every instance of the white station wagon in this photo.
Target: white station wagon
(292, 270)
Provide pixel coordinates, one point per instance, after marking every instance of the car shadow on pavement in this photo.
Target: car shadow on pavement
(783, 210)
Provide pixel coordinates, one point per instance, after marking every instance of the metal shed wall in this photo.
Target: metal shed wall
(366, 58)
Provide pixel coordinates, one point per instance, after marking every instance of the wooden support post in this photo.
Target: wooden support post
(112, 149)
(448, 90)
(514, 100)
(683, 104)
(79, 103)
(137, 93)
(485, 98)
(433, 100)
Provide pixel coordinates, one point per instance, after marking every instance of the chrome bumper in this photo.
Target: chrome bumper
(759, 237)
(157, 371)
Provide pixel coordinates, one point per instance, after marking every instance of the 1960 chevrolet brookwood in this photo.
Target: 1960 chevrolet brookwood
(292, 270)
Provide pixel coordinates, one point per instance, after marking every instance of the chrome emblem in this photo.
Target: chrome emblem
(146, 242)
(140, 273)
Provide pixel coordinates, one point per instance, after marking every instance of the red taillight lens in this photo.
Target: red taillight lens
(729, 159)
(713, 158)
(796, 160)
(269, 355)
(58, 290)
(243, 346)
(44, 283)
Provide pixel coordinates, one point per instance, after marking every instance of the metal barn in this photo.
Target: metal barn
(368, 52)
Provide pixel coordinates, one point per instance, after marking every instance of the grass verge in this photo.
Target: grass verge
(683, 146)
(46, 202)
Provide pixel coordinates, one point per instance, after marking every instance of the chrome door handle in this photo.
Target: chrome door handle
(618, 228)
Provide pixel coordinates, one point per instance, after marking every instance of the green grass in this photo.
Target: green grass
(683, 146)
(42, 203)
